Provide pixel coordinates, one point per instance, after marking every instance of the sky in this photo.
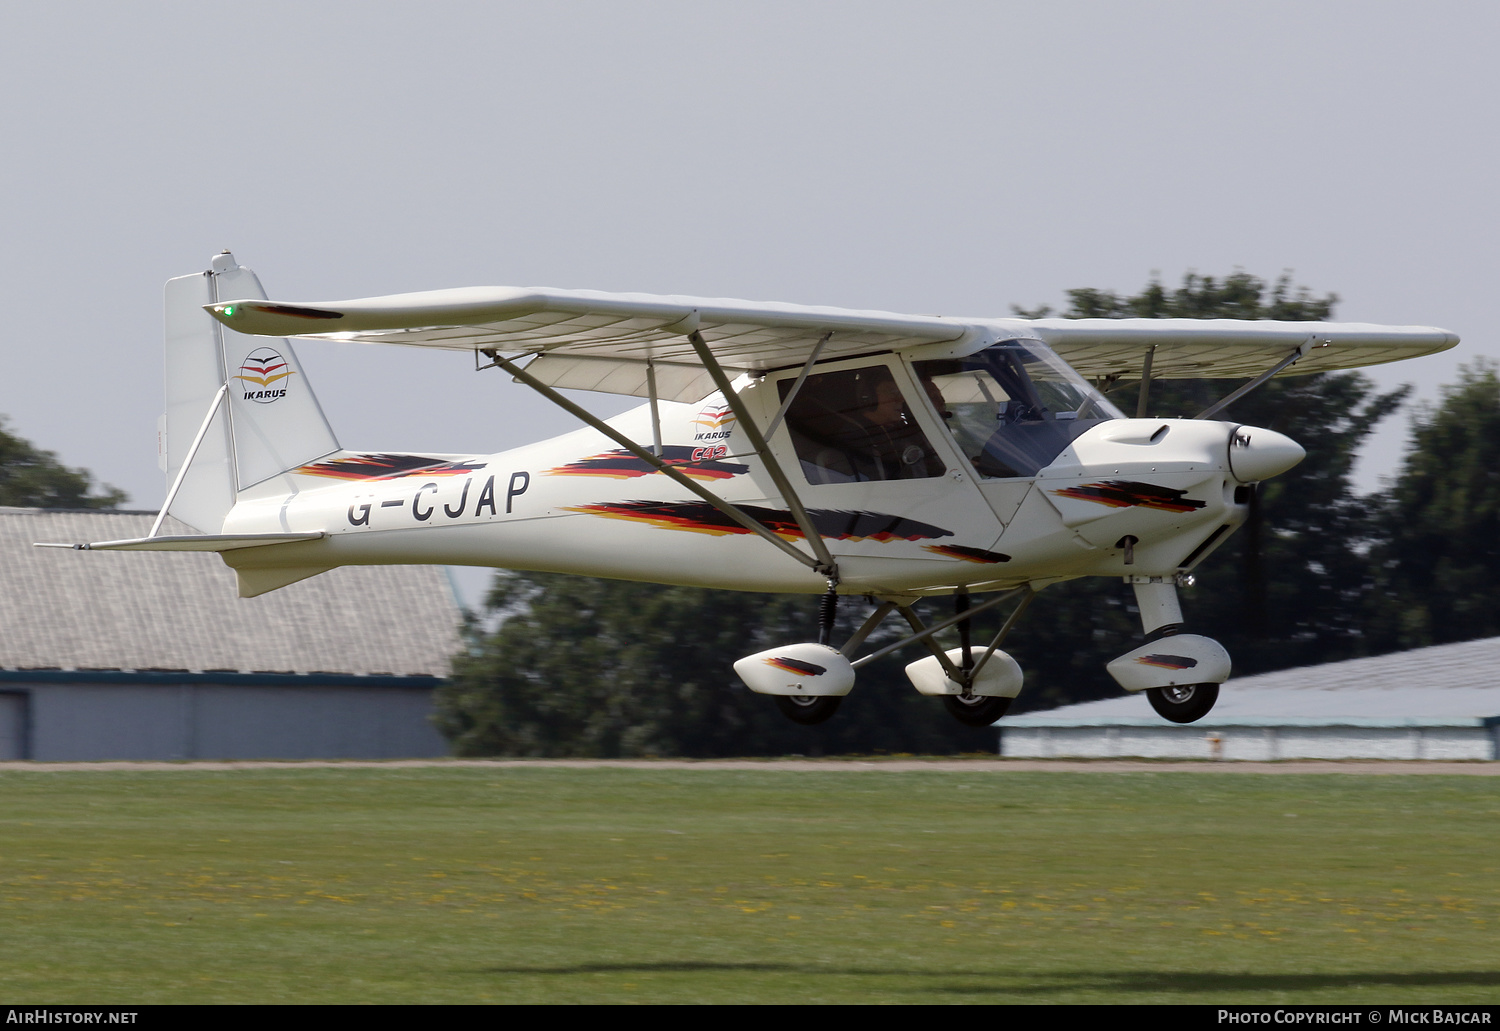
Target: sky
(943, 158)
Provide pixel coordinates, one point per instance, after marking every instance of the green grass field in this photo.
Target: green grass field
(611, 885)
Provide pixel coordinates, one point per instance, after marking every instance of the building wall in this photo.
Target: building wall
(13, 724)
(258, 717)
(1249, 743)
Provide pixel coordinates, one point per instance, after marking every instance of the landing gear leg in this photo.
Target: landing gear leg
(975, 691)
(811, 709)
(1179, 673)
(827, 610)
(969, 708)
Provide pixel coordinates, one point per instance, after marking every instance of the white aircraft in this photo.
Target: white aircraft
(782, 448)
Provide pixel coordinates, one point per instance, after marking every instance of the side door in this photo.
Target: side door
(881, 472)
(972, 404)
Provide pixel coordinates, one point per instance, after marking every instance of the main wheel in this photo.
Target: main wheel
(808, 709)
(1186, 704)
(976, 710)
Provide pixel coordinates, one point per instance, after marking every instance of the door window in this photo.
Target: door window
(854, 425)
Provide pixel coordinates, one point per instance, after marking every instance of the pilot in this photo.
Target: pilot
(935, 395)
(894, 448)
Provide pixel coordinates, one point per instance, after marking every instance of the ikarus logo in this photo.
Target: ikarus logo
(263, 373)
(715, 422)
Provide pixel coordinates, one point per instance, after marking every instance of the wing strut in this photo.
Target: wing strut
(645, 455)
(791, 396)
(1292, 359)
(825, 563)
(1140, 404)
(655, 411)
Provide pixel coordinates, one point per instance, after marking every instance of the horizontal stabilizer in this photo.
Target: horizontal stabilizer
(195, 542)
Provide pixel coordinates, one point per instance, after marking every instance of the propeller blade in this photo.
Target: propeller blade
(1253, 575)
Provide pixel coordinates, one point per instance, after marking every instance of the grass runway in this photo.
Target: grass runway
(524, 885)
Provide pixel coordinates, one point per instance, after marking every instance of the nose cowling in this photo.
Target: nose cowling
(1257, 454)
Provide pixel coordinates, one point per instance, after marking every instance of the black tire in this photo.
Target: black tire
(1188, 703)
(976, 710)
(806, 709)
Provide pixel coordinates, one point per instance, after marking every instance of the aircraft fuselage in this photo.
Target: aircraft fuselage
(1126, 496)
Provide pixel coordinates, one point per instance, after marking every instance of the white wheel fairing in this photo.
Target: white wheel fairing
(1180, 660)
(797, 671)
(1001, 676)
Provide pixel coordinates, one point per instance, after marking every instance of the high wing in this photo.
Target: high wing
(1229, 348)
(589, 340)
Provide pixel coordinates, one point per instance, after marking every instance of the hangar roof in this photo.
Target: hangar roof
(1444, 684)
(180, 610)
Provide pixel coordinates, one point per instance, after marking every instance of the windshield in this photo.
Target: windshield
(1012, 407)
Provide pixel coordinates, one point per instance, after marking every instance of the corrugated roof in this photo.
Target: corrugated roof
(164, 610)
(1448, 681)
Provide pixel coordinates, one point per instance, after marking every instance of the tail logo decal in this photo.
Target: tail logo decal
(715, 422)
(263, 372)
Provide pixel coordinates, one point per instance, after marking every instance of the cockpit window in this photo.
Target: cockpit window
(1012, 407)
(854, 425)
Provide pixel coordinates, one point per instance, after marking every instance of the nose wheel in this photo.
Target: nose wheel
(1186, 703)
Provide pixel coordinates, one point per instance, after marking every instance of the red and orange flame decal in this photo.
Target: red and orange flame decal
(386, 467)
(701, 517)
(967, 554)
(797, 666)
(701, 463)
(1129, 494)
(1168, 661)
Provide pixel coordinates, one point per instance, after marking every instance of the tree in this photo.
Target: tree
(31, 478)
(1238, 295)
(1438, 566)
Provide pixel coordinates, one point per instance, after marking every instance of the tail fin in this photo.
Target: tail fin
(245, 402)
